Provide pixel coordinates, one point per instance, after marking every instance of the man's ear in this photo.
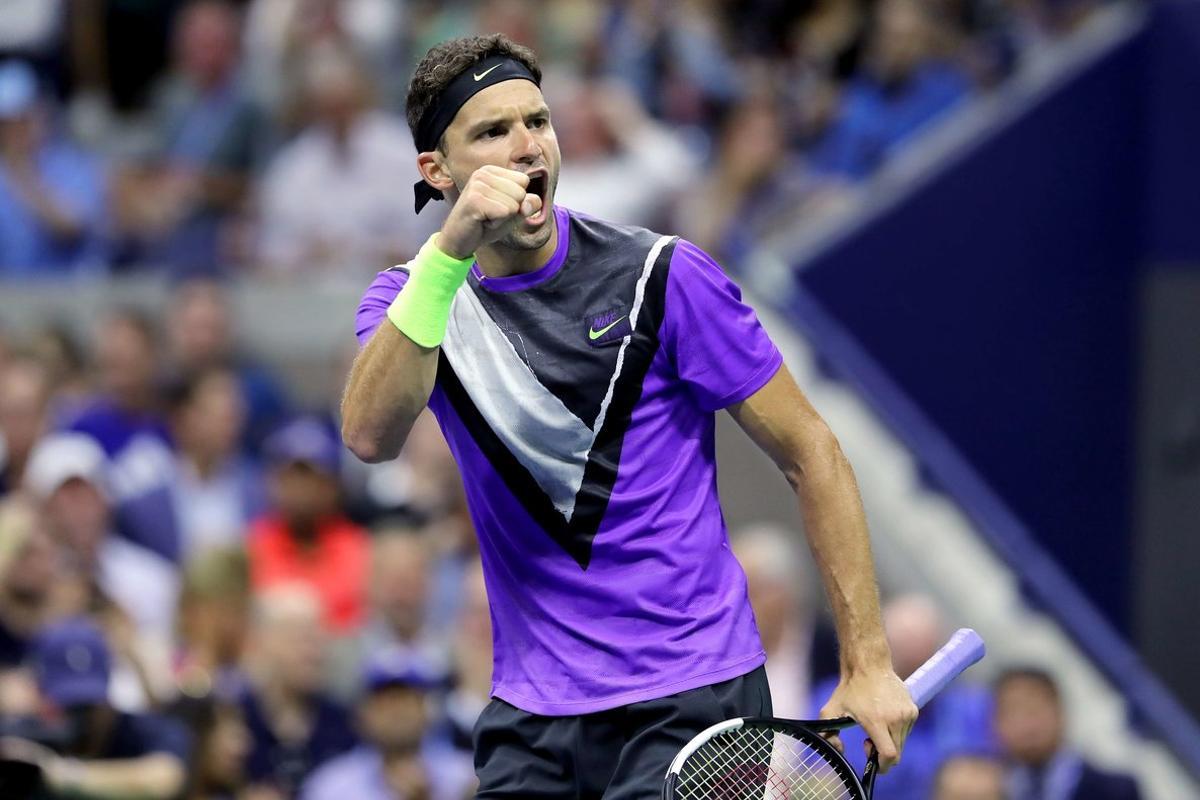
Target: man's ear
(433, 170)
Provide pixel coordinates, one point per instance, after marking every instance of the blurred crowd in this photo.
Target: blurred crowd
(267, 136)
(202, 596)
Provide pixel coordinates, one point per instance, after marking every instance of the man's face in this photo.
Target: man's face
(1029, 720)
(126, 359)
(200, 325)
(24, 396)
(211, 423)
(507, 125)
(78, 514)
(292, 647)
(394, 718)
(302, 493)
(399, 582)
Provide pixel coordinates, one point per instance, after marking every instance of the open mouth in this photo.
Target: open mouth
(538, 184)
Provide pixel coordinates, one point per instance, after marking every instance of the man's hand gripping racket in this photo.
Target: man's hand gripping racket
(762, 758)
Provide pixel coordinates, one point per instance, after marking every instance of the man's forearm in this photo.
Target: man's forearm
(153, 777)
(786, 426)
(388, 387)
(836, 529)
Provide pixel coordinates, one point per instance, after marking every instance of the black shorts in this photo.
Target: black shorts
(620, 754)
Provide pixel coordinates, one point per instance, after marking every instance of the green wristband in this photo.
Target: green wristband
(422, 308)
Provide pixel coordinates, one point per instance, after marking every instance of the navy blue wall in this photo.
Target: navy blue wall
(1002, 301)
(1172, 87)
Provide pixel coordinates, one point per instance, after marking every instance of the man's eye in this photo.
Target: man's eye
(492, 133)
(538, 122)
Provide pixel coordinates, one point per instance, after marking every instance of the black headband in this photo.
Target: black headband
(444, 108)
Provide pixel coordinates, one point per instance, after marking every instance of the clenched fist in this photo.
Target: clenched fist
(492, 200)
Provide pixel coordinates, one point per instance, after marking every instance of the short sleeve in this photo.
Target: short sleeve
(372, 309)
(715, 341)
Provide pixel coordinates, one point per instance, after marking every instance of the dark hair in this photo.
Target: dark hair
(1027, 673)
(446, 61)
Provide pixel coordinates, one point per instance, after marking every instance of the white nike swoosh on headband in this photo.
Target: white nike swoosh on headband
(481, 75)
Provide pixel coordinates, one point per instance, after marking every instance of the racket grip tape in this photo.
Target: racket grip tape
(964, 649)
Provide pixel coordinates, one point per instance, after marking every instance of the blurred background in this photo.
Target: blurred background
(971, 226)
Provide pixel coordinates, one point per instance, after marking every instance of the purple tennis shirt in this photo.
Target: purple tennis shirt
(579, 401)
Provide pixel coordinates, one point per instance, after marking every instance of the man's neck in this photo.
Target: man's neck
(498, 261)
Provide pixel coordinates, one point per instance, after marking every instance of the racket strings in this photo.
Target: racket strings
(756, 763)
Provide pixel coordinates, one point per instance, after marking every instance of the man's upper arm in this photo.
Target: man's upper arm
(372, 309)
(715, 341)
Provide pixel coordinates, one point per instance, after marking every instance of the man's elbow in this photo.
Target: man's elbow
(367, 445)
(817, 453)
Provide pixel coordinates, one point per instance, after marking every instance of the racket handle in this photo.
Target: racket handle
(964, 649)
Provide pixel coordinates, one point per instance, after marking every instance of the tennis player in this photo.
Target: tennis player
(575, 367)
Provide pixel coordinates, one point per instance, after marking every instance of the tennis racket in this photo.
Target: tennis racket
(763, 758)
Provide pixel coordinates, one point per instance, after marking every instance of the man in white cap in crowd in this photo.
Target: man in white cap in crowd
(123, 581)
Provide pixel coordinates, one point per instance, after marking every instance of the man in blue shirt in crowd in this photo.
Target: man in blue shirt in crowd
(102, 752)
(51, 193)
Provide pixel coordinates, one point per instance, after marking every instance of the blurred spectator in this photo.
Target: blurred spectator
(904, 85)
(201, 335)
(279, 34)
(33, 30)
(306, 537)
(26, 578)
(174, 208)
(52, 195)
(57, 349)
(118, 49)
(127, 418)
(672, 56)
(752, 180)
(958, 719)
(472, 662)
(220, 746)
(333, 201)
(215, 489)
(618, 163)
(24, 412)
(824, 48)
(66, 474)
(398, 594)
(969, 777)
(101, 752)
(1031, 725)
(801, 647)
(214, 611)
(293, 725)
(399, 760)
(128, 589)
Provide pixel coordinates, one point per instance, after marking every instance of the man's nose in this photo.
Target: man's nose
(526, 149)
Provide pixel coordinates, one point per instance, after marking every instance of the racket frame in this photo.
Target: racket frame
(808, 731)
(964, 649)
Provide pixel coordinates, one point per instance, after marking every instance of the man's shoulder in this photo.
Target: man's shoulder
(591, 228)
